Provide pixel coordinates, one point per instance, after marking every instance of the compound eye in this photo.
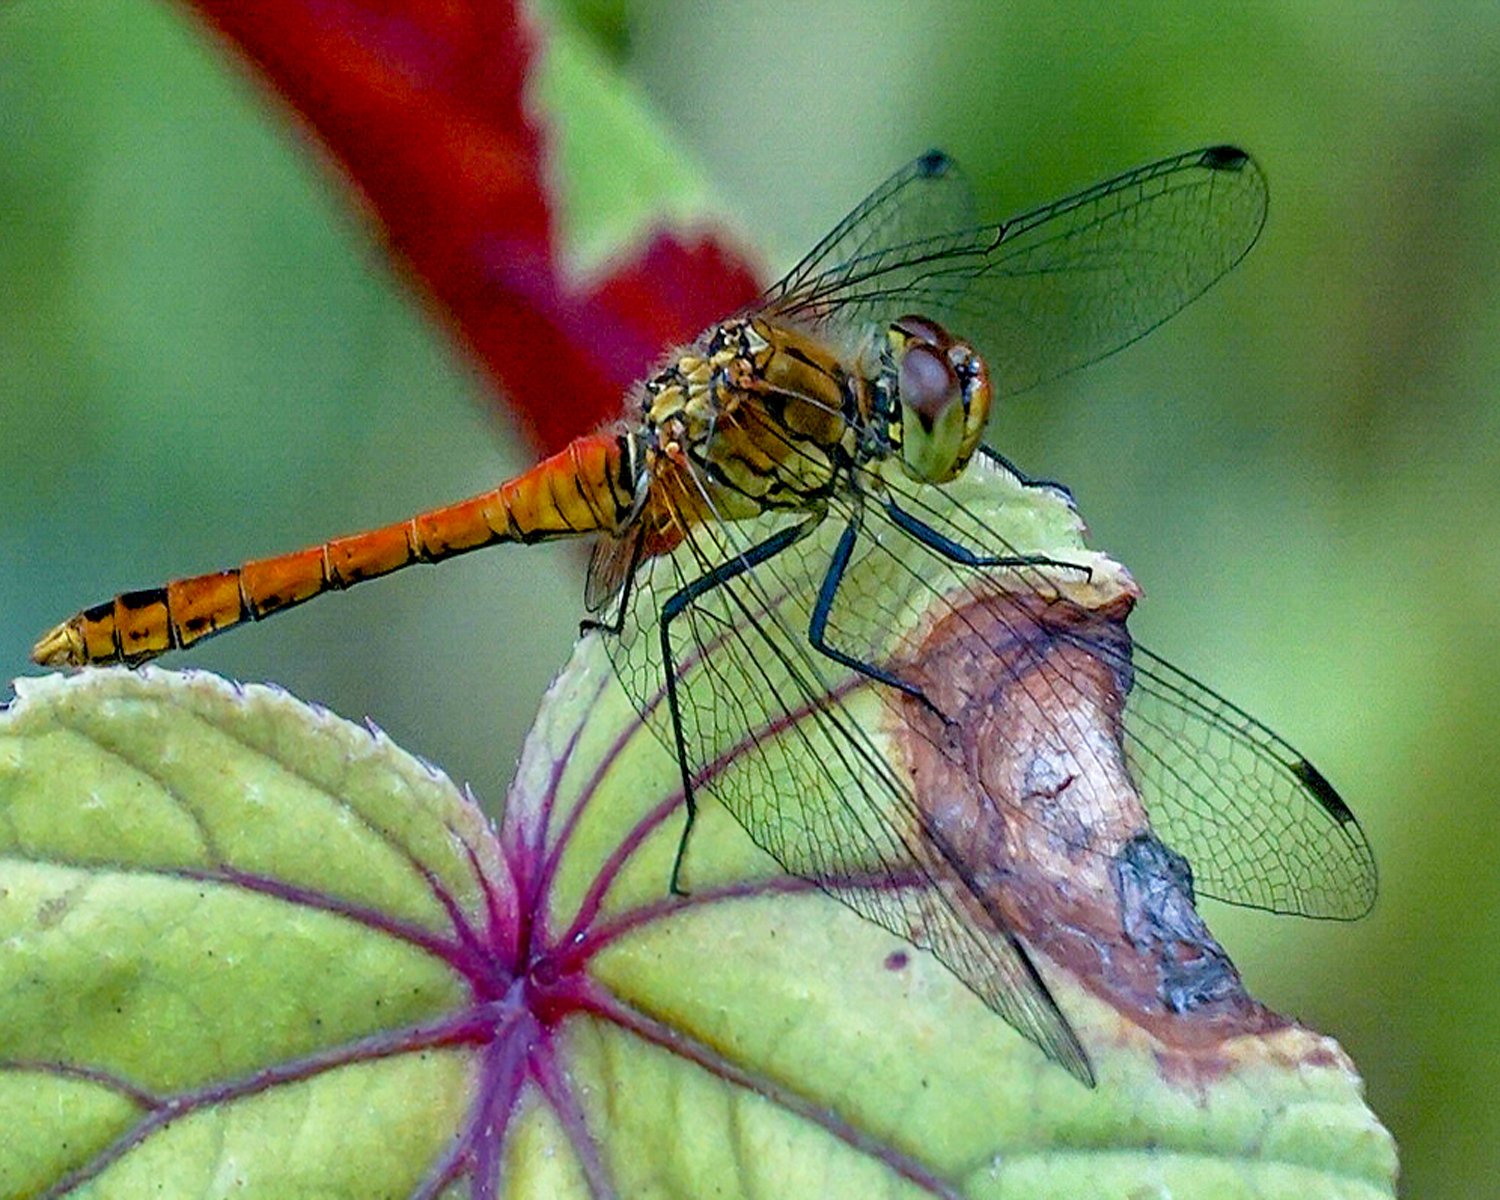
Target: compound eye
(927, 383)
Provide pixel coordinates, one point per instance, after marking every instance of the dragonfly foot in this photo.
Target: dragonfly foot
(674, 884)
(674, 881)
(921, 696)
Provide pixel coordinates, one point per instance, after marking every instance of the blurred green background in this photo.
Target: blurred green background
(202, 359)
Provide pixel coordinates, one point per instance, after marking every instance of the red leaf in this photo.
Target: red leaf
(421, 104)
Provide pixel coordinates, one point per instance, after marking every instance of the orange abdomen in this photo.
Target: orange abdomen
(585, 488)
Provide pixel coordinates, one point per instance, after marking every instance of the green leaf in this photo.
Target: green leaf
(247, 948)
(221, 918)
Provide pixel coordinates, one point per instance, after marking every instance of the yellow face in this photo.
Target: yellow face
(943, 399)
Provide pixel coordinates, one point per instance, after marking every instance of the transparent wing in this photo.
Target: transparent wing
(1260, 825)
(781, 737)
(1050, 290)
(613, 561)
(928, 195)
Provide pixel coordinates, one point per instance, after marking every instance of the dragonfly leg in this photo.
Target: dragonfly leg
(954, 552)
(817, 628)
(675, 605)
(1028, 481)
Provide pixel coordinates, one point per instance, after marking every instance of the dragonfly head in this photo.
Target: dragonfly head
(941, 390)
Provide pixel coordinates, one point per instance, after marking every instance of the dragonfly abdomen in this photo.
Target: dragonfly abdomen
(585, 488)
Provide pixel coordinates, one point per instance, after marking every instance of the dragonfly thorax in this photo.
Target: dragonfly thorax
(755, 415)
(933, 398)
(689, 395)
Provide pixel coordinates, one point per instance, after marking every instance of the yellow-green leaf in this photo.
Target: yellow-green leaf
(247, 948)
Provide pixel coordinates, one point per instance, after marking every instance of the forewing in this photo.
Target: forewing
(781, 737)
(928, 195)
(1055, 288)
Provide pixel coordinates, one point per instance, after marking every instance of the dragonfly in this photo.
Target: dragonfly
(777, 492)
